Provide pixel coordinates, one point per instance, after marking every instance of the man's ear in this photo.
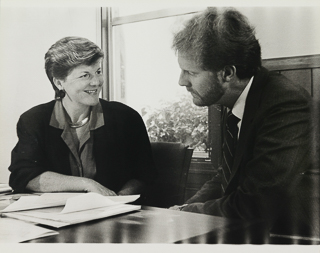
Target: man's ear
(229, 72)
(57, 83)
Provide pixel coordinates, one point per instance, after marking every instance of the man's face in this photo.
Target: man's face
(203, 85)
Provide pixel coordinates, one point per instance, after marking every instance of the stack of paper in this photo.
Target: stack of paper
(5, 188)
(63, 209)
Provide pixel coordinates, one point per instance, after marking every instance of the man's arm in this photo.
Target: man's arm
(210, 190)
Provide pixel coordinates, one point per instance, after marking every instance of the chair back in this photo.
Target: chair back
(172, 161)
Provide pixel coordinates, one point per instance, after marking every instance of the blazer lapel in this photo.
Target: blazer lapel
(103, 140)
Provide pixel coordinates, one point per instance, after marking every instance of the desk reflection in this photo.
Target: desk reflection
(157, 225)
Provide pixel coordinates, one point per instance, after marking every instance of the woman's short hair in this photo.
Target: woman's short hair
(217, 39)
(67, 54)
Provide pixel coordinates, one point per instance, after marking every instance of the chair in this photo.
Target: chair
(172, 161)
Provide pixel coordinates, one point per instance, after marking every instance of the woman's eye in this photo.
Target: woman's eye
(85, 76)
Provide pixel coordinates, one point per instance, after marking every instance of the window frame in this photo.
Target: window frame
(107, 24)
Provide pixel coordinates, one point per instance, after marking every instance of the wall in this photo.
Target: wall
(26, 35)
(286, 31)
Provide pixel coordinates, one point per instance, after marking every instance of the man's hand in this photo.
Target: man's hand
(178, 208)
(193, 207)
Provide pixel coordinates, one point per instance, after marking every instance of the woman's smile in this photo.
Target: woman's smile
(92, 92)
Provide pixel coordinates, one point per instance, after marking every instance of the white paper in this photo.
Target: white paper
(87, 201)
(79, 207)
(54, 218)
(51, 223)
(45, 200)
(124, 199)
(14, 231)
(72, 201)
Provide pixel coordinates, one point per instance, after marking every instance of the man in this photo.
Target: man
(220, 61)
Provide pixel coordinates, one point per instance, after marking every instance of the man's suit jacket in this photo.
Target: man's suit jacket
(273, 148)
(121, 147)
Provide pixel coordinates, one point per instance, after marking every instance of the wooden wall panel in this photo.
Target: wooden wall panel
(301, 77)
(292, 63)
(316, 83)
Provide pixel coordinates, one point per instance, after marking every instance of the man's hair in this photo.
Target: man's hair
(67, 54)
(218, 39)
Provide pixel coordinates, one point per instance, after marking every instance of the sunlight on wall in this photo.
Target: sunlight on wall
(26, 35)
(286, 31)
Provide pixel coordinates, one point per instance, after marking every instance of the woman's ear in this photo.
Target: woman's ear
(58, 83)
(229, 72)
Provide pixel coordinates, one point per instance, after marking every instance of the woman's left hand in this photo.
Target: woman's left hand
(93, 186)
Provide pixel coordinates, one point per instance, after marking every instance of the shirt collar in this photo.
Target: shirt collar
(59, 117)
(238, 108)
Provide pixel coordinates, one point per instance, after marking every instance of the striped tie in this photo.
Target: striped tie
(228, 147)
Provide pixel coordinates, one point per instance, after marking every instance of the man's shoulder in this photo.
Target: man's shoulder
(279, 88)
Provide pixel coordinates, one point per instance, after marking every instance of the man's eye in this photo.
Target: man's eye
(191, 73)
(99, 72)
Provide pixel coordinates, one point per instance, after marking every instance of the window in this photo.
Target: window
(144, 74)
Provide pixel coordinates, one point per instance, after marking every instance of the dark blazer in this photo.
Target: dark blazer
(273, 148)
(121, 147)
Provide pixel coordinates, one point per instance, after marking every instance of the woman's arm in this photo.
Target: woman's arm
(54, 182)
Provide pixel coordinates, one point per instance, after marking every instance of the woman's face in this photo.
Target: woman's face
(82, 85)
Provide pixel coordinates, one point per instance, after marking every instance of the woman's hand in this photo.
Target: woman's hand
(54, 182)
(93, 186)
(133, 186)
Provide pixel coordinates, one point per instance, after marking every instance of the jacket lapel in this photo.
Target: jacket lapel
(103, 140)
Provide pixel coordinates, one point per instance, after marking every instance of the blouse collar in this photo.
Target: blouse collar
(59, 117)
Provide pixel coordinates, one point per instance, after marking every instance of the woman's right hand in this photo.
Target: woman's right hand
(93, 186)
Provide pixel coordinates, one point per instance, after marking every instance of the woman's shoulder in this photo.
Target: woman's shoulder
(41, 111)
(117, 107)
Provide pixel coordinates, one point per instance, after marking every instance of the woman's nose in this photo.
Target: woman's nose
(97, 80)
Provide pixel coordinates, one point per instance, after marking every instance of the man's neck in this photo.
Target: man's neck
(233, 92)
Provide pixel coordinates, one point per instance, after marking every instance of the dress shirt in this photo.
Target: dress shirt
(238, 108)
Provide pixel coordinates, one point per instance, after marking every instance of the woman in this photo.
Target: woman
(79, 142)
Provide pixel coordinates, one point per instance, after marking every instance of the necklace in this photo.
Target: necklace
(80, 123)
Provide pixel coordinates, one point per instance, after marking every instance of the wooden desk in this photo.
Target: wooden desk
(156, 225)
